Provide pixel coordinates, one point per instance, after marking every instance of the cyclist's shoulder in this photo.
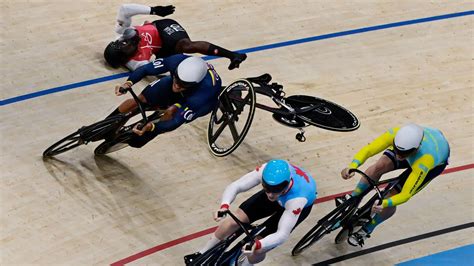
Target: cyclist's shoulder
(393, 130)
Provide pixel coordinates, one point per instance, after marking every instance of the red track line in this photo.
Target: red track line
(212, 229)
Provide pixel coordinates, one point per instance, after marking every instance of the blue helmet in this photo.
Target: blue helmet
(276, 176)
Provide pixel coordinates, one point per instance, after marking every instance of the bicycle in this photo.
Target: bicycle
(112, 129)
(296, 111)
(222, 253)
(348, 215)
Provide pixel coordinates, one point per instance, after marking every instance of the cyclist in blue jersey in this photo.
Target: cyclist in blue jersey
(287, 197)
(190, 91)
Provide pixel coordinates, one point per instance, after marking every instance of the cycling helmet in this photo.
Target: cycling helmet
(276, 176)
(408, 139)
(190, 72)
(118, 52)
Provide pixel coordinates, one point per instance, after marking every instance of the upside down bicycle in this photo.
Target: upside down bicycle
(237, 103)
(347, 216)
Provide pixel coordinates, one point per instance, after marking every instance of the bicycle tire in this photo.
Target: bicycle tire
(55, 149)
(329, 115)
(308, 240)
(118, 143)
(229, 117)
(84, 135)
(331, 223)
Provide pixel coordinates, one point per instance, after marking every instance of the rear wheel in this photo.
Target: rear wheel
(113, 145)
(231, 119)
(327, 115)
(331, 223)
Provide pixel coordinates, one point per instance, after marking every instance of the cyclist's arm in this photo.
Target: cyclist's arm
(244, 183)
(176, 115)
(157, 67)
(287, 221)
(125, 14)
(134, 64)
(419, 171)
(378, 145)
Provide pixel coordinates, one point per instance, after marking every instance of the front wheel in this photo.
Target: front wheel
(94, 132)
(324, 114)
(309, 239)
(231, 119)
(69, 142)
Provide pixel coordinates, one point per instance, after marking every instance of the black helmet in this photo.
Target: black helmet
(118, 52)
(114, 56)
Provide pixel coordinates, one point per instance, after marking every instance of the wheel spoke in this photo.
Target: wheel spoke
(219, 130)
(233, 130)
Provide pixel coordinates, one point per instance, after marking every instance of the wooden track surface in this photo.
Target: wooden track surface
(80, 210)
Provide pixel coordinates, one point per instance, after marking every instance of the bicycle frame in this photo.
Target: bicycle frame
(226, 257)
(275, 92)
(139, 103)
(366, 209)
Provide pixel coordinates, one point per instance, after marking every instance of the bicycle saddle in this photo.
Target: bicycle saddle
(265, 78)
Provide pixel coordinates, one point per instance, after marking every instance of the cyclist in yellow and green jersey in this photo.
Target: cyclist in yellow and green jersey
(422, 151)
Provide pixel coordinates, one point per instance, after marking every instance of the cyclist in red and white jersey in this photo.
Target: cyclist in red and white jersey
(137, 45)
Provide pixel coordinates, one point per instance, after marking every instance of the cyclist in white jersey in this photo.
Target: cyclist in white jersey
(287, 197)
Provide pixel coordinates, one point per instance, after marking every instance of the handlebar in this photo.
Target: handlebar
(369, 179)
(139, 103)
(241, 225)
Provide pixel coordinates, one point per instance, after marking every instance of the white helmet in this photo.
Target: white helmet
(408, 139)
(191, 71)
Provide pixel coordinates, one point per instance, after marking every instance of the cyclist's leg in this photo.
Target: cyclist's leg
(431, 175)
(176, 39)
(254, 208)
(386, 163)
(387, 212)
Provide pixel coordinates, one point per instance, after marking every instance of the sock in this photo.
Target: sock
(361, 187)
(210, 244)
(378, 219)
(219, 51)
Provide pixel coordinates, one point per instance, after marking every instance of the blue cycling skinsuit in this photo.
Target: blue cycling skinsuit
(192, 103)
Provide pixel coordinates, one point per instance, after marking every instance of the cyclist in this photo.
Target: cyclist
(190, 91)
(287, 196)
(136, 45)
(422, 151)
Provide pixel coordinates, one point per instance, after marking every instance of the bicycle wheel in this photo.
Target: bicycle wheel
(231, 119)
(69, 142)
(330, 223)
(118, 143)
(309, 239)
(328, 115)
(84, 135)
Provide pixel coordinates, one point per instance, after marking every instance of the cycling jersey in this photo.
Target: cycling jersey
(433, 151)
(157, 38)
(192, 103)
(150, 43)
